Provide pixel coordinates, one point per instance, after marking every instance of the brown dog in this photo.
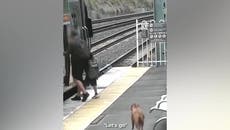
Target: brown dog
(137, 117)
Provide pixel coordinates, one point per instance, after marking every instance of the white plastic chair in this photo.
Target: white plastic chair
(161, 105)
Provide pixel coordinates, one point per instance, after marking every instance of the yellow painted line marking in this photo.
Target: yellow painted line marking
(93, 108)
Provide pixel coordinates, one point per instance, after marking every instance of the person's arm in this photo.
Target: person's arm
(68, 50)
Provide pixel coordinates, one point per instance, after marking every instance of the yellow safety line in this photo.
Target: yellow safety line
(93, 108)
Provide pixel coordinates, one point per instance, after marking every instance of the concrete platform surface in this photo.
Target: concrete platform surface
(112, 110)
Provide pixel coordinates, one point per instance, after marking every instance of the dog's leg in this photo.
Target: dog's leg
(132, 121)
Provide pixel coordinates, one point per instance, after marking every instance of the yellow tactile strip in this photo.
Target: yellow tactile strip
(92, 109)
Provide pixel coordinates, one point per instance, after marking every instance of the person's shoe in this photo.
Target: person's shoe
(85, 96)
(76, 98)
(95, 96)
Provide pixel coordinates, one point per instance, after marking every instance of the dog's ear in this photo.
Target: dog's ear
(131, 107)
(134, 105)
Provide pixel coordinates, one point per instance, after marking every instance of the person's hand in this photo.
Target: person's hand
(65, 53)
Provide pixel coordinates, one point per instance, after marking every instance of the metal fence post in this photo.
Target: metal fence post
(137, 43)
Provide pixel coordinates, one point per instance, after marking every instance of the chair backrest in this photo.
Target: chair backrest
(162, 103)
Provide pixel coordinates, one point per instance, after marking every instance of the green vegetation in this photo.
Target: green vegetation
(106, 8)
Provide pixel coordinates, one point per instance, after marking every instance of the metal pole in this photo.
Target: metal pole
(137, 42)
(160, 52)
(155, 53)
(147, 53)
(142, 50)
(151, 57)
(165, 53)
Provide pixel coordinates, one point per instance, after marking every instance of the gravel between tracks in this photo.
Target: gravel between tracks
(112, 53)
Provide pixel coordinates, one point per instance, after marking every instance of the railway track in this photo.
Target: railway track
(131, 55)
(125, 32)
(112, 36)
(116, 41)
(97, 21)
(121, 58)
(120, 24)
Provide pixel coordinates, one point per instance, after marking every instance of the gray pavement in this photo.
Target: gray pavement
(146, 91)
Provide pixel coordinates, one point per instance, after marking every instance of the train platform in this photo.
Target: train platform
(142, 85)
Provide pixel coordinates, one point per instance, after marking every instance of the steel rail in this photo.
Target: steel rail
(116, 25)
(96, 21)
(112, 43)
(112, 36)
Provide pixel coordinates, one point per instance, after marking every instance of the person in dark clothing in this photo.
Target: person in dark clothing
(78, 66)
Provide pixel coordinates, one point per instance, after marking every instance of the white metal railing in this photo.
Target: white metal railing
(153, 51)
